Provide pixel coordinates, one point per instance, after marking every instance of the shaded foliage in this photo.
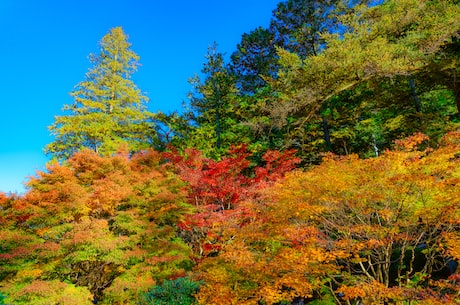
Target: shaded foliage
(178, 291)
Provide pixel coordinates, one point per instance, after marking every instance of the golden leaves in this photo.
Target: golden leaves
(117, 213)
(361, 219)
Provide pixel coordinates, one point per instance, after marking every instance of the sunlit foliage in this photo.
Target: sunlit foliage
(374, 231)
(108, 109)
(217, 189)
(321, 166)
(103, 223)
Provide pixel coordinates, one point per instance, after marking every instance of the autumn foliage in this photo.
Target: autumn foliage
(328, 172)
(349, 230)
(101, 227)
(110, 229)
(217, 189)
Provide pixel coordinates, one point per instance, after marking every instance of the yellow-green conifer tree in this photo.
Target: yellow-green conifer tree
(108, 108)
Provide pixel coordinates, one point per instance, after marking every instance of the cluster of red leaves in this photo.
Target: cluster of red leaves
(220, 185)
(217, 189)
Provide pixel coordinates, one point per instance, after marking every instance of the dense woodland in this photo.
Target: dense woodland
(319, 163)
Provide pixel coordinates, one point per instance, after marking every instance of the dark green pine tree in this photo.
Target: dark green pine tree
(297, 24)
(254, 60)
(212, 103)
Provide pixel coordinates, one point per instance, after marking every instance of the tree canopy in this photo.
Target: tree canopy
(319, 165)
(108, 109)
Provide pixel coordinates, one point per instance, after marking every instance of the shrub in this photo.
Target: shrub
(177, 292)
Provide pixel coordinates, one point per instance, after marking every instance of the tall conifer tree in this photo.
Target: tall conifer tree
(108, 107)
(211, 102)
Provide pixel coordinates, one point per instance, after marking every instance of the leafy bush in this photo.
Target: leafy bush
(177, 292)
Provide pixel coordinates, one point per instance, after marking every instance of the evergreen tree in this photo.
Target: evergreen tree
(213, 107)
(297, 24)
(254, 60)
(108, 108)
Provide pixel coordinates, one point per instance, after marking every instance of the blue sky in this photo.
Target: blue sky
(44, 54)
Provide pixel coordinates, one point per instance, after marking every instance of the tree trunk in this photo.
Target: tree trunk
(327, 136)
(218, 140)
(418, 105)
(456, 91)
(374, 145)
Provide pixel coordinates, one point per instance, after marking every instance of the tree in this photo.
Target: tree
(371, 51)
(172, 129)
(217, 188)
(374, 231)
(179, 291)
(254, 60)
(297, 25)
(104, 227)
(213, 107)
(108, 108)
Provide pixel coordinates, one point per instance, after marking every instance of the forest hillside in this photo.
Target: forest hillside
(319, 163)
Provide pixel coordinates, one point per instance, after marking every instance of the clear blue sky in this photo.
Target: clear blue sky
(44, 52)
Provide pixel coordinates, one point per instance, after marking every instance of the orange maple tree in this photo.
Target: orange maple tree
(102, 226)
